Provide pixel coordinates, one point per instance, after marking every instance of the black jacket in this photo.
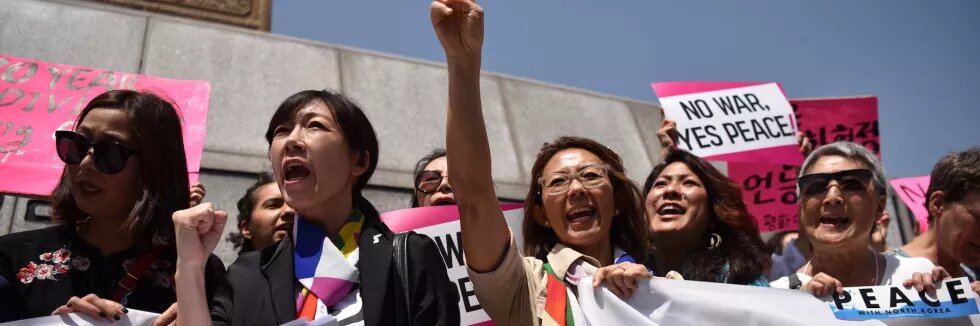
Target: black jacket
(261, 288)
(24, 294)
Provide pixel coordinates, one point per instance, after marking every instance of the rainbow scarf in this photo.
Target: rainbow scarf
(557, 304)
(325, 266)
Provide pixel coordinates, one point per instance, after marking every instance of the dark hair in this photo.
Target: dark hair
(354, 125)
(775, 242)
(419, 168)
(742, 247)
(246, 205)
(956, 174)
(163, 182)
(629, 228)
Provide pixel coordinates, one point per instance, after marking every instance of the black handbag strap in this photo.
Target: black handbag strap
(794, 282)
(400, 253)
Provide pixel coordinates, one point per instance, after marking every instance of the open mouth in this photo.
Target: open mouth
(443, 202)
(87, 188)
(295, 172)
(581, 214)
(285, 227)
(834, 221)
(669, 210)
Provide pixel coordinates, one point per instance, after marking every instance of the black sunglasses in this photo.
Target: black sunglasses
(110, 156)
(848, 181)
(428, 181)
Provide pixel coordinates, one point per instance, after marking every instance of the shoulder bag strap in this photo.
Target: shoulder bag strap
(400, 252)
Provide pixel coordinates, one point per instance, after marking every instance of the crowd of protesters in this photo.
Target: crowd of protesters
(133, 234)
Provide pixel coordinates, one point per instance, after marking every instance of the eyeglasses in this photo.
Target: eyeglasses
(428, 181)
(110, 156)
(558, 183)
(848, 181)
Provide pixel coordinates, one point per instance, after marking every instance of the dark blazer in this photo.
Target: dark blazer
(261, 289)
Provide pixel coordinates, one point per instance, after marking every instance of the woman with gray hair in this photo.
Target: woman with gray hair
(842, 191)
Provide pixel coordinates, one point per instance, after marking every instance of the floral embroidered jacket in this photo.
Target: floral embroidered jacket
(41, 269)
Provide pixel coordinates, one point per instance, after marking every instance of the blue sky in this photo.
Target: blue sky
(921, 58)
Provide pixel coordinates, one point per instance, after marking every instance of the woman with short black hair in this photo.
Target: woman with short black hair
(338, 260)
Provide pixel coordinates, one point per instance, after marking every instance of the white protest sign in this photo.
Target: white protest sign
(732, 120)
(441, 223)
(677, 303)
(953, 298)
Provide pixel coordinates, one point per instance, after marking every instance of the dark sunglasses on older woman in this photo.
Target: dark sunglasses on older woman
(428, 181)
(848, 181)
(110, 156)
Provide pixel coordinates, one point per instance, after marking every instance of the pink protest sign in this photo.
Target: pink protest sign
(828, 120)
(912, 191)
(441, 223)
(37, 98)
(732, 121)
(769, 191)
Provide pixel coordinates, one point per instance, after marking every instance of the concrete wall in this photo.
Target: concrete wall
(251, 72)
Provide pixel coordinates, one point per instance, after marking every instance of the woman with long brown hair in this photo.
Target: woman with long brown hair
(699, 225)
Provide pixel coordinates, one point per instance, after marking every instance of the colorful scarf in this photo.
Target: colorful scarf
(325, 266)
(557, 304)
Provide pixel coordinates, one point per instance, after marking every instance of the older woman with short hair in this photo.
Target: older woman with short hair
(842, 191)
(432, 186)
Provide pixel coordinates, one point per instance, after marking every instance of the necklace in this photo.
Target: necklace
(873, 256)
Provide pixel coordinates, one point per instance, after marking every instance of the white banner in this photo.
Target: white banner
(134, 317)
(676, 303)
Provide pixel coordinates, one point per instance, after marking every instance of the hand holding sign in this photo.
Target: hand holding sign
(823, 285)
(806, 145)
(927, 281)
(93, 307)
(667, 136)
(621, 279)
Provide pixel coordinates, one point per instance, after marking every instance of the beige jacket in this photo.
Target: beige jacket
(514, 294)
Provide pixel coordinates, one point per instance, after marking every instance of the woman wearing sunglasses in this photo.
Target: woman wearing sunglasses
(113, 250)
(582, 215)
(338, 260)
(699, 225)
(432, 181)
(842, 192)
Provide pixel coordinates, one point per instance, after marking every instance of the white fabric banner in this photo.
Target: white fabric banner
(134, 317)
(676, 303)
